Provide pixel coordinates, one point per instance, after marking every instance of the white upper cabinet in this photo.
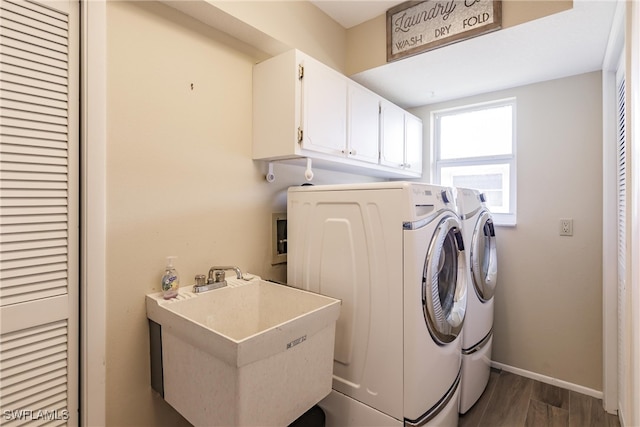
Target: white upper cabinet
(400, 139)
(324, 112)
(391, 135)
(413, 143)
(363, 129)
(303, 108)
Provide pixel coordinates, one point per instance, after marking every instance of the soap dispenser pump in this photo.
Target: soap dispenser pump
(170, 280)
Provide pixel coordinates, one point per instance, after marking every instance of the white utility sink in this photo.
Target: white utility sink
(252, 353)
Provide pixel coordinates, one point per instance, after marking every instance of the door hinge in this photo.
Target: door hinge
(300, 135)
(300, 71)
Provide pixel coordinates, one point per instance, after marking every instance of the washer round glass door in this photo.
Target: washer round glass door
(483, 258)
(444, 290)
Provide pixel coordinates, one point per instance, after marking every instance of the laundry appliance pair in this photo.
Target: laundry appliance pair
(393, 253)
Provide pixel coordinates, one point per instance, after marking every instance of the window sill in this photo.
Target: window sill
(504, 220)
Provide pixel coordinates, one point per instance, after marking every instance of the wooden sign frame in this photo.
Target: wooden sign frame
(418, 26)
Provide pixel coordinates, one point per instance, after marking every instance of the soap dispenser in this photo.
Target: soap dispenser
(170, 280)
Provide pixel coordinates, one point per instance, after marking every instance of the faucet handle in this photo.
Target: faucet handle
(220, 270)
(219, 276)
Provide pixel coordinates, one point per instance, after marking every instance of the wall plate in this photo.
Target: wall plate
(566, 227)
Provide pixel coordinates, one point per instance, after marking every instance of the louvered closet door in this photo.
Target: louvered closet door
(39, 212)
(624, 362)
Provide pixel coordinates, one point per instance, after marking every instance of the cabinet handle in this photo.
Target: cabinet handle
(407, 165)
(352, 152)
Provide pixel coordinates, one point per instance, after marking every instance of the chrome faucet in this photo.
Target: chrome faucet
(215, 280)
(213, 276)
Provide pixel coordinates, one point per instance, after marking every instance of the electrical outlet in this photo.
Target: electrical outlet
(566, 227)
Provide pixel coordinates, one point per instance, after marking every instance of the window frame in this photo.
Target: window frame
(501, 219)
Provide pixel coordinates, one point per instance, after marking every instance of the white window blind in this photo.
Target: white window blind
(38, 213)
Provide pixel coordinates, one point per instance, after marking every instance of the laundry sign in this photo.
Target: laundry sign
(417, 26)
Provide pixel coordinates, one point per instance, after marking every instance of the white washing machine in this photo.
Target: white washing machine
(477, 335)
(392, 252)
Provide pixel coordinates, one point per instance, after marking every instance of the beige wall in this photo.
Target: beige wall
(548, 303)
(180, 181)
(367, 42)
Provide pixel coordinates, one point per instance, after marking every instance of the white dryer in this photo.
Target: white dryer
(392, 252)
(477, 335)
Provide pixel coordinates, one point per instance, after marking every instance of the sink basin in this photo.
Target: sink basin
(251, 353)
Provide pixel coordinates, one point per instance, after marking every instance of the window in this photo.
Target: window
(474, 147)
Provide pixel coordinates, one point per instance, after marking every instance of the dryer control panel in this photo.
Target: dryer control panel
(430, 199)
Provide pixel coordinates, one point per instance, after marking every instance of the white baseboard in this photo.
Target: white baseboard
(549, 380)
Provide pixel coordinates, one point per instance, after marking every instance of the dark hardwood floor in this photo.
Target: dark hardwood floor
(514, 401)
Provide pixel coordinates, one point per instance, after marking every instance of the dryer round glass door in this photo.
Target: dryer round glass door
(483, 258)
(444, 290)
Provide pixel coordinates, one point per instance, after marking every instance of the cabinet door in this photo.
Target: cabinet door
(324, 109)
(391, 135)
(413, 143)
(364, 115)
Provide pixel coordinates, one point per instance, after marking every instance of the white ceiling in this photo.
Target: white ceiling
(567, 43)
(353, 12)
